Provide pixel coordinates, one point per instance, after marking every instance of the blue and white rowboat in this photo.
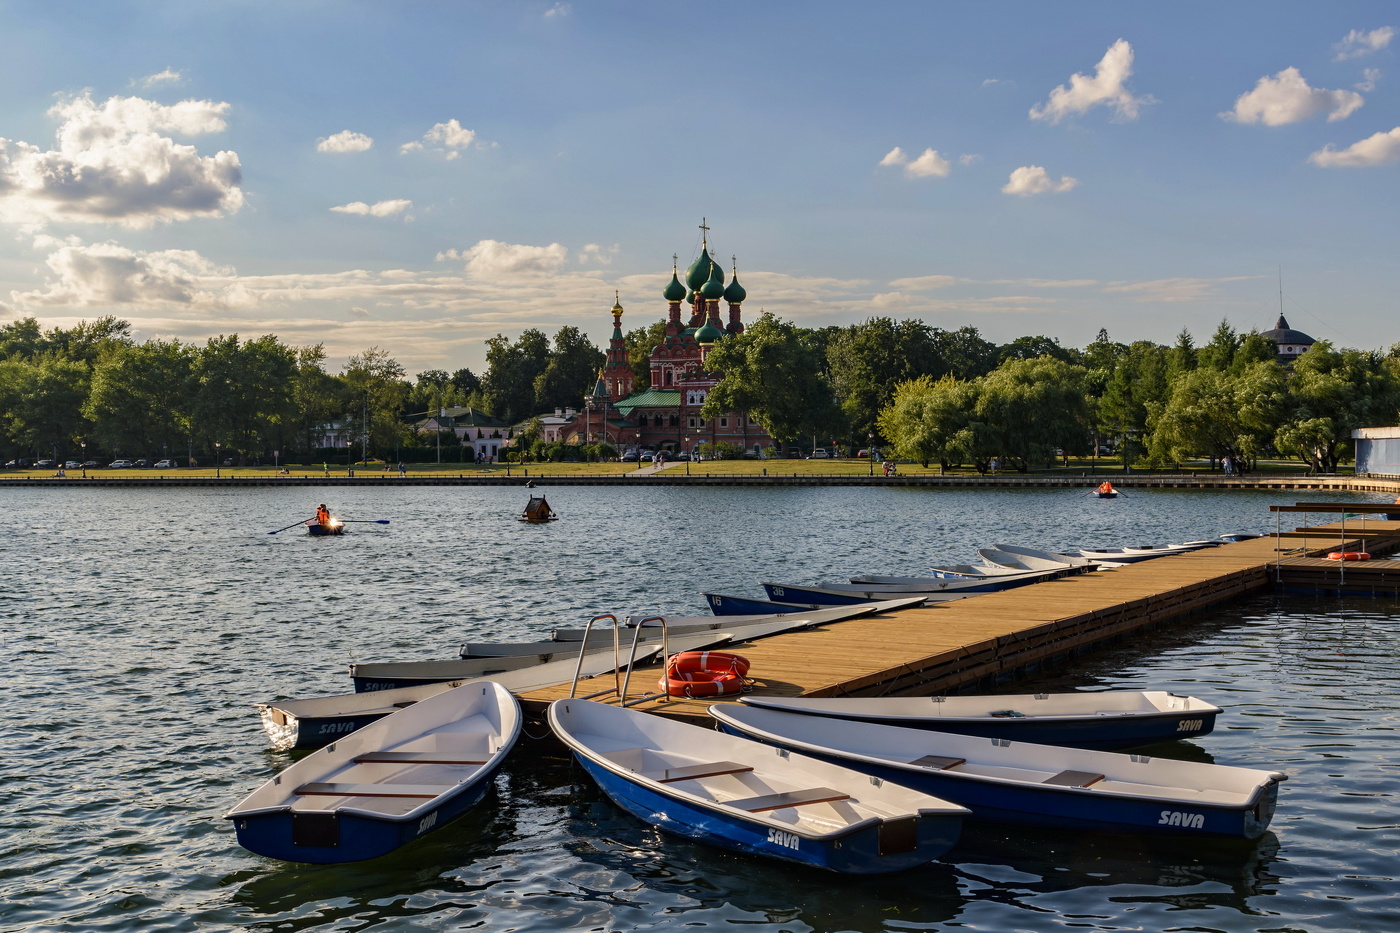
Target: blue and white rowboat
(1019, 782)
(740, 795)
(742, 605)
(1100, 719)
(850, 594)
(398, 778)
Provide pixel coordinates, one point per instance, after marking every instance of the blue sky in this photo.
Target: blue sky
(423, 176)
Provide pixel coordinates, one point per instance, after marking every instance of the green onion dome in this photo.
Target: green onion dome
(713, 289)
(675, 291)
(735, 293)
(708, 334)
(699, 270)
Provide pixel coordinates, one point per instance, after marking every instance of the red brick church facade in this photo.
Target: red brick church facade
(666, 416)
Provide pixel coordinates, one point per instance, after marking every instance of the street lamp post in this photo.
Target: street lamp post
(870, 453)
(83, 445)
(688, 455)
(218, 464)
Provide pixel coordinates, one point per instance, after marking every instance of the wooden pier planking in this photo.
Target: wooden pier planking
(936, 649)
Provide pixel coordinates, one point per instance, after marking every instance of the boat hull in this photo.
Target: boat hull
(989, 791)
(330, 838)
(1106, 732)
(741, 605)
(855, 853)
(317, 530)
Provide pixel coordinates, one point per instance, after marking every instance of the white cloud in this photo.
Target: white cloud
(969, 158)
(112, 165)
(1356, 43)
(993, 82)
(1286, 98)
(924, 282)
(597, 253)
(168, 76)
(447, 139)
(345, 141)
(929, 163)
(1377, 149)
(494, 260)
(357, 311)
(1032, 179)
(559, 10)
(1106, 87)
(1172, 290)
(106, 274)
(377, 209)
(1369, 77)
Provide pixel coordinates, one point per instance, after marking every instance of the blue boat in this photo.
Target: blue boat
(851, 594)
(740, 795)
(742, 605)
(1106, 719)
(1027, 784)
(381, 787)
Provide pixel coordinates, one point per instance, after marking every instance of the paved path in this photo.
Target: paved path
(653, 468)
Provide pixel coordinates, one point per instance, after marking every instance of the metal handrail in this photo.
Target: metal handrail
(583, 647)
(665, 661)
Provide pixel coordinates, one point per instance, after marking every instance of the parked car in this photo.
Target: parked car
(119, 464)
(19, 463)
(89, 465)
(45, 464)
(72, 465)
(166, 464)
(818, 454)
(141, 463)
(630, 456)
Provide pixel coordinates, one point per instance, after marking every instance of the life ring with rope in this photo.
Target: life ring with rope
(705, 674)
(1348, 555)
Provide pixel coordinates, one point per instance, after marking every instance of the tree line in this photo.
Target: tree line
(946, 396)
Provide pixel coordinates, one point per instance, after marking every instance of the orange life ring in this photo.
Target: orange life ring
(704, 674)
(1349, 555)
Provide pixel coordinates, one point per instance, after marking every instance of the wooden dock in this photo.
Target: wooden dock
(943, 648)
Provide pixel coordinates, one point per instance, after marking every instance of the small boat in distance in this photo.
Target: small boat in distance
(319, 530)
(387, 784)
(1106, 719)
(740, 795)
(537, 511)
(1105, 490)
(1029, 784)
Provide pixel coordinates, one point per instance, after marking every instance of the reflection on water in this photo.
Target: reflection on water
(137, 638)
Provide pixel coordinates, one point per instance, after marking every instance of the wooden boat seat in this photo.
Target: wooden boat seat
(1073, 779)
(420, 758)
(792, 798)
(938, 762)
(426, 791)
(694, 772)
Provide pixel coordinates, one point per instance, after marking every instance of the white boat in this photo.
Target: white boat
(684, 625)
(981, 583)
(1132, 555)
(387, 784)
(740, 795)
(977, 571)
(1086, 719)
(1029, 784)
(1038, 559)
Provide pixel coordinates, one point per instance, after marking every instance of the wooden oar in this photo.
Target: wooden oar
(292, 525)
(364, 521)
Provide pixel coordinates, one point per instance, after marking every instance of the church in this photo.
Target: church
(666, 415)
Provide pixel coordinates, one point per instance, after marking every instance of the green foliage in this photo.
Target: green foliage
(640, 342)
(242, 392)
(720, 450)
(570, 373)
(934, 419)
(1031, 407)
(771, 373)
(1212, 413)
(1330, 394)
(141, 397)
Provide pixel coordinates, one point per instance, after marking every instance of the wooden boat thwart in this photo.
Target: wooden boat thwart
(386, 785)
(1104, 719)
(1025, 783)
(739, 795)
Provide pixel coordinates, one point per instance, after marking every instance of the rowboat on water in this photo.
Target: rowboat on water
(739, 795)
(314, 721)
(371, 792)
(391, 674)
(976, 571)
(1105, 491)
(323, 529)
(1132, 555)
(1029, 784)
(1038, 559)
(948, 584)
(1105, 719)
(847, 594)
(742, 605)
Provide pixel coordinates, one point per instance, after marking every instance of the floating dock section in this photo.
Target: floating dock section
(981, 639)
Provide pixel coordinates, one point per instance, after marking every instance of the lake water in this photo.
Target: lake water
(140, 624)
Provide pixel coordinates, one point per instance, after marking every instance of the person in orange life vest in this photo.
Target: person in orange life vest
(323, 514)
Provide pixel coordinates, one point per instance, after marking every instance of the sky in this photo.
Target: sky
(421, 177)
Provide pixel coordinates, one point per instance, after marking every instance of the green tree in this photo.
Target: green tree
(570, 373)
(1331, 393)
(934, 419)
(508, 388)
(964, 353)
(1213, 414)
(1032, 407)
(771, 374)
(375, 389)
(41, 401)
(316, 398)
(1138, 385)
(242, 392)
(1220, 352)
(1030, 348)
(640, 342)
(867, 361)
(140, 397)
